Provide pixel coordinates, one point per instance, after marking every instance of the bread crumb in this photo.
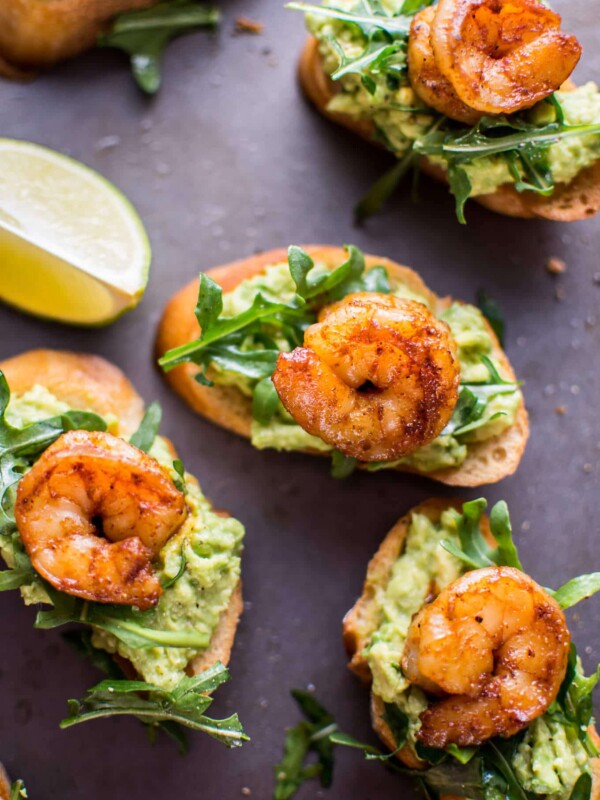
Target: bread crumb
(246, 791)
(560, 293)
(561, 410)
(556, 266)
(597, 278)
(588, 468)
(246, 25)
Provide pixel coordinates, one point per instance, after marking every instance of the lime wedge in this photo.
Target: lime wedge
(72, 247)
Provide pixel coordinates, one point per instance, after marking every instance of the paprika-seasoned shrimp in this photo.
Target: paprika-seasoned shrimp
(377, 377)
(498, 644)
(93, 512)
(425, 77)
(502, 55)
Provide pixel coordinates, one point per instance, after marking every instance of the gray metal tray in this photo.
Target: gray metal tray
(229, 159)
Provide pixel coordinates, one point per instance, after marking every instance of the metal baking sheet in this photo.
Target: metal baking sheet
(228, 160)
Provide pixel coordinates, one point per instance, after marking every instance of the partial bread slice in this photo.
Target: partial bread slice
(89, 383)
(361, 622)
(576, 200)
(487, 462)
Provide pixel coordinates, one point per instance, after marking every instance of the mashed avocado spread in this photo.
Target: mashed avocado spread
(210, 545)
(469, 331)
(400, 117)
(550, 757)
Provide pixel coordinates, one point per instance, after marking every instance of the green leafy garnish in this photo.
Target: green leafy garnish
(18, 790)
(144, 35)
(311, 736)
(81, 641)
(127, 624)
(184, 705)
(342, 466)
(473, 399)
(577, 589)
(473, 548)
(147, 432)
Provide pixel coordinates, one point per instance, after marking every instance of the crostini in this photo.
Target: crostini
(331, 352)
(102, 525)
(473, 676)
(474, 94)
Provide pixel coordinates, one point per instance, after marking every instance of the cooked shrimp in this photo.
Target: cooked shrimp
(376, 379)
(498, 644)
(502, 55)
(425, 77)
(92, 513)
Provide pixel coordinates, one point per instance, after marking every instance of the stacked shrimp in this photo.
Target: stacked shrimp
(469, 58)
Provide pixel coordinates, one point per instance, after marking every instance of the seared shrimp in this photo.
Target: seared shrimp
(92, 513)
(502, 55)
(498, 644)
(377, 377)
(424, 74)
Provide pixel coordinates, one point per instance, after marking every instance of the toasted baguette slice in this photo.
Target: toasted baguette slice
(487, 462)
(361, 622)
(576, 200)
(39, 33)
(89, 383)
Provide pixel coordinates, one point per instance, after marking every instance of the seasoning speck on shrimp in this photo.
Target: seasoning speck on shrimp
(93, 512)
(498, 645)
(499, 56)
(377, 377)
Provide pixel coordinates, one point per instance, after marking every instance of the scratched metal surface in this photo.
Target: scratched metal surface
(228, 159)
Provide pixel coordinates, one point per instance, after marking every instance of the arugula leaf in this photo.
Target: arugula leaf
(145, 33)
(577, 589)
(582, 790)
(366, 22)
(179, 481)
(124, 622)
(342, 466)
(81, 641)
(147, 432)
(493, 313)
(265, 401)
(312, 735)
(473, 549)
(185, 704)
(18, 790)
(460, 186)
(383, 188)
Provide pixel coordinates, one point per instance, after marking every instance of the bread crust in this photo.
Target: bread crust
(569, 202)
(91, 383)
(362, 620)
(487, 462)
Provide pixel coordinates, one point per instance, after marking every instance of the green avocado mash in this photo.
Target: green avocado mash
(550, 757)
(210, 545)
(400, 117)
(447, 451)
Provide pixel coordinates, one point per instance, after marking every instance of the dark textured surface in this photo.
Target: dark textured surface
(227, 160)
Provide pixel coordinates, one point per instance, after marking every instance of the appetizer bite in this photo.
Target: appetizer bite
(101, 523)
(473, 93)
(37, 34)
(475, 684)
(352, 356)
